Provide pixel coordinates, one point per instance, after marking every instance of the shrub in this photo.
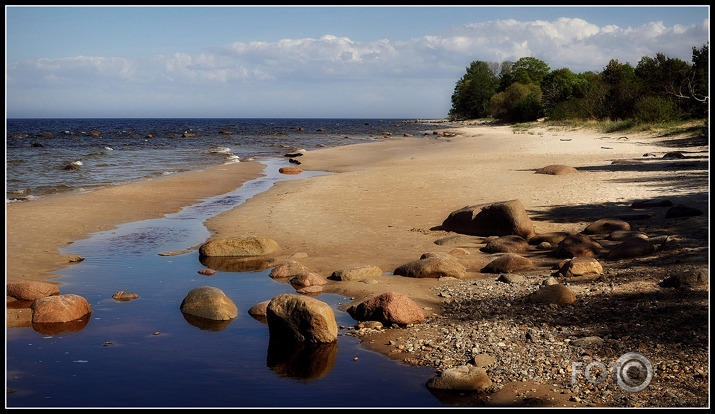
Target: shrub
(655, 109)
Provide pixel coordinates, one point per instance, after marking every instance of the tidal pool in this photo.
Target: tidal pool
(145, 353)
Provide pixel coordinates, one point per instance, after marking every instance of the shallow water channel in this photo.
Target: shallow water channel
(145, 353)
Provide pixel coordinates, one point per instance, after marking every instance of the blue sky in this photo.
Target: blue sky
(245, 62)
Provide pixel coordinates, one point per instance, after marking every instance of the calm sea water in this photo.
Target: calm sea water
(47, 156)
(145, 352)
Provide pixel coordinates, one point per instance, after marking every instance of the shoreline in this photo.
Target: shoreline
(383, 206)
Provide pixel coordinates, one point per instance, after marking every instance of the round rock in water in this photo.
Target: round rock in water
(62, 308)
(209, 303)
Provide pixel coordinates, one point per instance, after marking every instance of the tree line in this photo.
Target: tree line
(658, 89)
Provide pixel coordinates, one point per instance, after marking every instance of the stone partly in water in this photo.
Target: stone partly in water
(301, 319)
(31, 290)
(62, 308)
(123, 296)
(209, 303)
(238, 246)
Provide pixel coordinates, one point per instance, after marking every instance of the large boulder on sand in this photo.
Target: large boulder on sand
(634, 247)
(31, 290)
(606, 226)
(557, 169)
(238, 246)
(288, 269)
(578, 245)
(301, 319)
(357, 273)
(493, 219)
(579, 266)
(209, 303)
(506, 244)
(388, 308)
(61, 308)
(464, 378)
(432, 267)
(552, 294)
(507, 263)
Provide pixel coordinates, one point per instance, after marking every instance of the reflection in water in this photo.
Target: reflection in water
(206, 324)
(301, 360)
(236, 264)
(56, 328)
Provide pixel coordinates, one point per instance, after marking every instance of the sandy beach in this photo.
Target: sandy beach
(383, 204)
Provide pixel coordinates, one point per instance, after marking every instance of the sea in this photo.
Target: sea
(145, 352)
(50, 156)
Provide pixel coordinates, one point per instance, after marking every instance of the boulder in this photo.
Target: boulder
(209, 303)
(621, 235)
(557, 169)
(577, 245)
(433, 267)
(357, 273)
(463, 378)
(454, 241)
(651, 203)
(606, 226)
(301, 319)
(290, 170)
(635, 247)
(687, 279)
(552, 238)
(123, 296)
(494, 219)
(288, 269)
(238, 246)
(388, 308)
(509, 279)
(31, 290)
(682, 211)
(579, 266)
(60, 308)
(507, 263)
(552, 294)
(506, 244)
(307, 279)
(258, 310)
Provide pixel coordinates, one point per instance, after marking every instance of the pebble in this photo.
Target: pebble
(539, 343)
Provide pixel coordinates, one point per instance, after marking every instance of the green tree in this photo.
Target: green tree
(558, 86)
(526, 70)
(620, 83)
(472, 92)
(518, 103)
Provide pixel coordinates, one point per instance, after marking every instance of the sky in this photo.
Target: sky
(306, 61)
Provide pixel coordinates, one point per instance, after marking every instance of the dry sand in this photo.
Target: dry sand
(385, 200)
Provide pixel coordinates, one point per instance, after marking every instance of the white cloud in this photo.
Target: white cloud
(309, 64)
